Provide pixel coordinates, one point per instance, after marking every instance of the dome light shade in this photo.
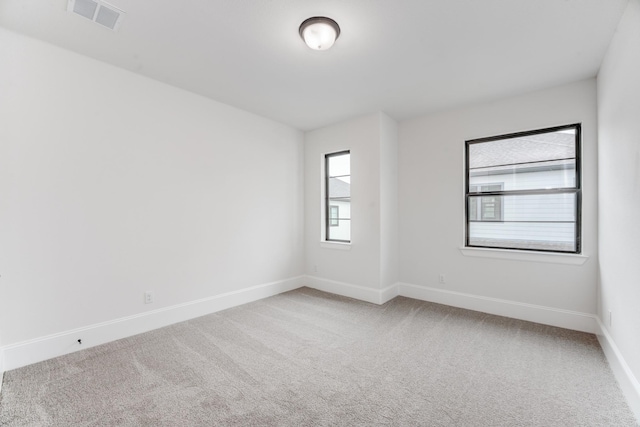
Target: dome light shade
(319, 32)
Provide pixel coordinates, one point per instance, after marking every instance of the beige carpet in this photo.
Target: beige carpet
(306, 358)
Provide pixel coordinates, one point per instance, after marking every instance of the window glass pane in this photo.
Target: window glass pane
(541, 161)
(342, 231)
(340, 187)
(541, 221)
(531, 176)
(340, 165)
(338, 197)
(524, 149)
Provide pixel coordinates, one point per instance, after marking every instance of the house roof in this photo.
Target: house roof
(526, 149)
(339, 188)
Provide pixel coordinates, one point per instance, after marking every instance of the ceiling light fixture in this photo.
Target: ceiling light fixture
(319, 32)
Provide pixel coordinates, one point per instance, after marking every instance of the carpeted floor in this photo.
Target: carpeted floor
(307, 358)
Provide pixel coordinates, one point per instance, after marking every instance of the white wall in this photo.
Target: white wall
(619, 190)
(431, 202)
(359, 265)
(371, 260)
(112, 184)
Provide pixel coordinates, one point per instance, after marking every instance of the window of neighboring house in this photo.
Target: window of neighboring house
(488, 208)
(334, 214)
(523, 191)
(338, 197)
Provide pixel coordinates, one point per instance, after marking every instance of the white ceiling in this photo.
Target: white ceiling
(403, 57)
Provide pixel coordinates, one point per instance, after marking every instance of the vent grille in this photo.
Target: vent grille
(98, 11)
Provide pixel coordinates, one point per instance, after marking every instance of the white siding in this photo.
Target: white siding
(534, 208)
(552, 232)
(529, 180)
(343, 230)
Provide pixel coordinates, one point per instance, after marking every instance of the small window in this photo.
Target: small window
(523, 191)
(334, 214)
(338, 197)
(488, 208)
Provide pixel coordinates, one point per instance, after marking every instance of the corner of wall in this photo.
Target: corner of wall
(626, 380)
(389, 244)
(618, 94)
(362, 293)
(545, 315)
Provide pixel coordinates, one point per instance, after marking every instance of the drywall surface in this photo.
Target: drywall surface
(619, 187)
(112, 184)
(388, 201)
(431, 201)
(359, 264)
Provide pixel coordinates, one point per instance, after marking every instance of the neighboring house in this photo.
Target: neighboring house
(340, 210)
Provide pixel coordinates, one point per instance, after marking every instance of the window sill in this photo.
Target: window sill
(336, 245)
(569, 259)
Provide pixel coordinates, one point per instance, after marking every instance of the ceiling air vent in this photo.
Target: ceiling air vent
(98, 11)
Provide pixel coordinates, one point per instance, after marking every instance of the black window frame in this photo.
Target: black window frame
(577, 190)
(327, 199)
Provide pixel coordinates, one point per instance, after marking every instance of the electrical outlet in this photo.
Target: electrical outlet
(315, 268)
(442, 279)
(148, 297)
(609, 317)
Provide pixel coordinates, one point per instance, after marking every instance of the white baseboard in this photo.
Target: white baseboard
(43, 348)
(627, 381)
(574, 320)
(567, 319)
(27, 352)
(389, 293)
(362, 293)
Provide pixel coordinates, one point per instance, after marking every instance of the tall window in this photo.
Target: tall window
(338, 197)
(523, 190)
